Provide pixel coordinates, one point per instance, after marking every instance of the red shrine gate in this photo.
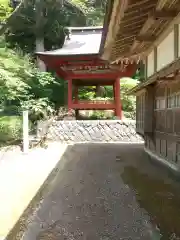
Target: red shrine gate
(79, 63)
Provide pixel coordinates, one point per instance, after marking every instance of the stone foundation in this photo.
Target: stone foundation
(90, 131)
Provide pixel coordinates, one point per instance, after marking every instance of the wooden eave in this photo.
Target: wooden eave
(135, 25)
(161, 75)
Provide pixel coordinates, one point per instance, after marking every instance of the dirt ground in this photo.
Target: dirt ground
(108, 192)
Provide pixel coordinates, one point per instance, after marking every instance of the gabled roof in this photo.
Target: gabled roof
(81, 41)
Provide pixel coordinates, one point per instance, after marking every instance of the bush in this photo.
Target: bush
(10, 129)
(130, 115)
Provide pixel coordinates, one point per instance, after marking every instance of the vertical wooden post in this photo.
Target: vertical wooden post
(25, 132)
(114, 95)
(155, 59)
(176, 41)
(69, 95)
(118, 99)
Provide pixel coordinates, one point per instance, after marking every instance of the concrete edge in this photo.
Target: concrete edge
(163, 161)
(21, 225)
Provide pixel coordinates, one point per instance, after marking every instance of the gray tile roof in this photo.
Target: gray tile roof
(82, 41)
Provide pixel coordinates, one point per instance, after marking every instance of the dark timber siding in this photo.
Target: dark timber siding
(158, 119)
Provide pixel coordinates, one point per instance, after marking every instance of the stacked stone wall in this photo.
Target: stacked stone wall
(90, 131)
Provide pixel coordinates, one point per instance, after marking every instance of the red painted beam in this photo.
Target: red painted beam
(54, 62)
(98, 81)
(93, 76)
(91, 106)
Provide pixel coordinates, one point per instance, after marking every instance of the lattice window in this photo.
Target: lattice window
(160, 103)
(177, 99)
(173, 101)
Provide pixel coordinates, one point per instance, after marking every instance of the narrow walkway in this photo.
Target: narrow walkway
(107, 192)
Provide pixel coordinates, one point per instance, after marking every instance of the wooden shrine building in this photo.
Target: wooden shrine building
(79, 63)
(150, 30)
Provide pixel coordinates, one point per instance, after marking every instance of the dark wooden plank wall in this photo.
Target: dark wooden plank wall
(163, 121)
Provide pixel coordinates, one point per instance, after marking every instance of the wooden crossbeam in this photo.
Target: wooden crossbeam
(157, 14)
(161, 3)
(145, 38)
(149, 22)
(165, 14)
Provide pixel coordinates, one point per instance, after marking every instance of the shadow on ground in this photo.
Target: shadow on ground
(103, 191)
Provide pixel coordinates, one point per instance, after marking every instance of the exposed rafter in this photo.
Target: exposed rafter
(148, 24)
(155, 15)
(161, 4)
(145, 38)
(118, 11)
(165, 14)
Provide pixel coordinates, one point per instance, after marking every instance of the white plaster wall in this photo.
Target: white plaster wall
(150, 64)
(165, 51)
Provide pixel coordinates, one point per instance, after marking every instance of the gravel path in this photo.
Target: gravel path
(91, 200)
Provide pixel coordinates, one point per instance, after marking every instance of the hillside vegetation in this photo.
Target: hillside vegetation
(23, 84)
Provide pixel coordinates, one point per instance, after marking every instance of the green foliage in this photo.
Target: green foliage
(5, 11)
(94, 11)
(40, 108)
(22, 86)
(86, 93)
(52, 28)
(10, 129)
(128, 101)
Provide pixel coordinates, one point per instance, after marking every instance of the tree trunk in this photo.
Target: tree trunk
(39, 31)
(40, 48)
(99, 91)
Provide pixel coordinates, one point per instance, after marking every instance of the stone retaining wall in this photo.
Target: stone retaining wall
(90, 131)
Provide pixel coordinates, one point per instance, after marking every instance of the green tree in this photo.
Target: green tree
(41, 24)
(128, 101)
(94, 10)
(22, 85)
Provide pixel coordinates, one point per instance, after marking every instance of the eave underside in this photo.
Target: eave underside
(86, 67)
(136, 26)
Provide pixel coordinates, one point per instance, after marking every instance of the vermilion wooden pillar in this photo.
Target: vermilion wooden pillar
(69, 94)
(117, 98)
